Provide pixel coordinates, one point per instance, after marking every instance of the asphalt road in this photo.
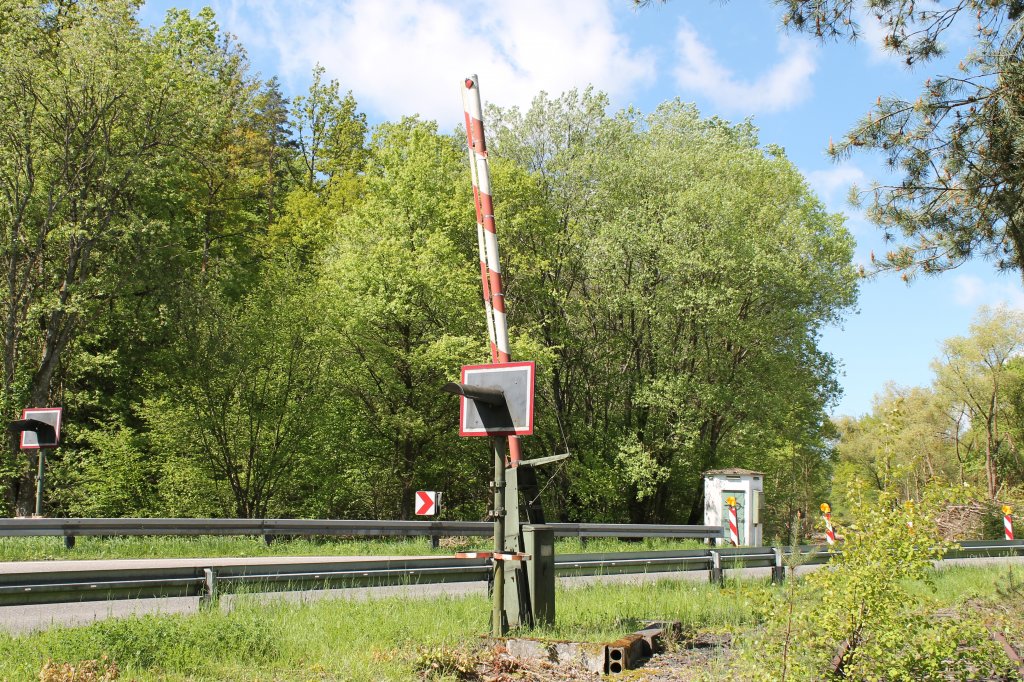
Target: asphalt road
(24, 619)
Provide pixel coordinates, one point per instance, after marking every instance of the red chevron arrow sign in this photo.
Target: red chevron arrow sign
(426, 502)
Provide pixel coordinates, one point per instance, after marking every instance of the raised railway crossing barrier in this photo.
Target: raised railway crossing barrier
(71, 528)
(54, 584)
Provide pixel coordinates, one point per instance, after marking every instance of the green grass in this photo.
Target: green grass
(345, 640)
(950, 584)
(167, 547)
(603, 612)
(329, 640)
(383, 639)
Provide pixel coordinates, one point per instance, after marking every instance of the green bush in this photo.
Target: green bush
(858, 619)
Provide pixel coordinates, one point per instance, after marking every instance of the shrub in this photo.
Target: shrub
(856, 617)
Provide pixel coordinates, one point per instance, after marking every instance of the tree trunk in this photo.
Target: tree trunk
(697, 509)
(990, 463)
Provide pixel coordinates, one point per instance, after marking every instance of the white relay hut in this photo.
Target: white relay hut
(747, 487)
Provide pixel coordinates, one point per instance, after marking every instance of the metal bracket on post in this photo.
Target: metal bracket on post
(717, 577)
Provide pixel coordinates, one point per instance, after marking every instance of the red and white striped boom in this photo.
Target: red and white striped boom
(487, 236)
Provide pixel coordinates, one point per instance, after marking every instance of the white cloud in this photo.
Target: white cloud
(409, 56)
(972, 291)
(784, 85)
(873, 36)
(833, 184)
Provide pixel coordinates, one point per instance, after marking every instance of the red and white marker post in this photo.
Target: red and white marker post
(1008, 521)
(734, 530)
(830, 533)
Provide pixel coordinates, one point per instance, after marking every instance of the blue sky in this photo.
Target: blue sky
(731, 59)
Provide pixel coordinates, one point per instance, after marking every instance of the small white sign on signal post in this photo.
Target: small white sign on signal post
(427, 502)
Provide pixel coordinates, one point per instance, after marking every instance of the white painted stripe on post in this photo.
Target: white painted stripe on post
(480, 243)
(501, 331)
(473, 171)
(518, 556)
(473, 98)
(483, 174)
(491, 248)
(490, 329)
(830, 534)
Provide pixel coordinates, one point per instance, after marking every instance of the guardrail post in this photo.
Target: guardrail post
(435, 541)
(209, 596)
(779, 569)
(69, 542)
(717, 577)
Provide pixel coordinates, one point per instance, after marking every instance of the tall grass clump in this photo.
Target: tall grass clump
(259, 639)
(160, 645)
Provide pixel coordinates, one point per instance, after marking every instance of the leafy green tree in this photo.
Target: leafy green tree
(974, 370)
(679, 306)
(963, 430)
(92, 116)
(199, 208)
(1013, 420)
(406, 301)
(912, 438)
(541, 167)
(330, 132)
(275, 146)
(228, 145)
(956, 145)
(113, 475)
(246, 402)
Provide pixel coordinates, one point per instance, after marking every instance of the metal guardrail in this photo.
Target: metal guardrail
(56, 584)
(75, 527)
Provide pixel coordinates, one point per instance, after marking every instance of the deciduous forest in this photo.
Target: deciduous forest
(246, 301)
